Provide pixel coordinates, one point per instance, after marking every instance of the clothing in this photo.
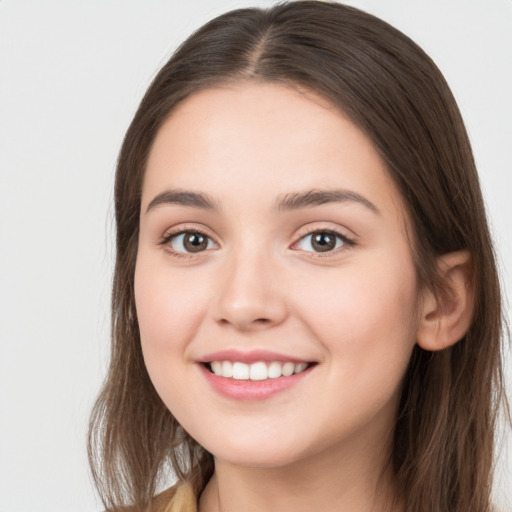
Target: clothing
(178, 498)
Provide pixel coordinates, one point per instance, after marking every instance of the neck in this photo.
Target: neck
(352, 480)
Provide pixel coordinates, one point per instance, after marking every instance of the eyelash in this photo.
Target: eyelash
(346, 241)
(166, 240)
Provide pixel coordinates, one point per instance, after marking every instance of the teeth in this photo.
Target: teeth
(256, 371)
(300, 367)
(227, 369)
(274, 370)
(288, 369)
(241, 371)
(217, 367)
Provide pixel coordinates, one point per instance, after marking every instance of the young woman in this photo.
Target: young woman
(306, 309)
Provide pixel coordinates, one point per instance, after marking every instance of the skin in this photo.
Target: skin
(259, 284)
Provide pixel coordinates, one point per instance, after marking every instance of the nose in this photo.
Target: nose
(251, 295)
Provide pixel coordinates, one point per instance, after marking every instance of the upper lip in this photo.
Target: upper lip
(249, 356)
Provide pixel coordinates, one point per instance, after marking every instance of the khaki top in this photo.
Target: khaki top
(178, 498)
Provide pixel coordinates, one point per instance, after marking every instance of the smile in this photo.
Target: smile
(257, 371)
(253, 375)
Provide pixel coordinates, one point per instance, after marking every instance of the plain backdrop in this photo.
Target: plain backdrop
(71, 76)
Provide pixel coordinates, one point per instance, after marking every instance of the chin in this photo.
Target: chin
(255, 454)
(257, 460)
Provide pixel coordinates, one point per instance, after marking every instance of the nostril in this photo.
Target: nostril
(244, 323)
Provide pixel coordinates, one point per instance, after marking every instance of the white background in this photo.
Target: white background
(71, 76)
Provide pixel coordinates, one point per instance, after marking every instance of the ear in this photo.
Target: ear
(445, 319)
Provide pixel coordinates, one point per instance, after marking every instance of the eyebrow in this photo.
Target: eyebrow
(297, 200)
(184, 198)
(286, 202)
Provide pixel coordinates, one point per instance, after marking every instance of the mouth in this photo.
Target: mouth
(255, 374)
(257, 371)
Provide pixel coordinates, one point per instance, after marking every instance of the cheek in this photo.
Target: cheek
(366, 314)
(168, 313)
(365, 320)
(168, 316)
(167, 306)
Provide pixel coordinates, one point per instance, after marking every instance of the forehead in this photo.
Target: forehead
(260, 140)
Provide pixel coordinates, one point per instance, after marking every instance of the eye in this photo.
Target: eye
(322, 241)
(189, 242)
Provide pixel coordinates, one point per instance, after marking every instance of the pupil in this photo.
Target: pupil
(195, 242)
(324, 242)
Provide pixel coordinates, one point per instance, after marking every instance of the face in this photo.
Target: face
(275, 290)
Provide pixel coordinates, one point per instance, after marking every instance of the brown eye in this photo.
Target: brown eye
(190, 242)
(322, 241)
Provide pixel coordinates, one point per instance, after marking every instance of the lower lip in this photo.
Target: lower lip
(252, 389)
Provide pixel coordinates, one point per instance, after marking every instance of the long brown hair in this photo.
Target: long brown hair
(444, 435)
